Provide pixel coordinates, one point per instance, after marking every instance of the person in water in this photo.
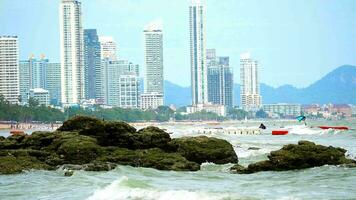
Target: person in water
(262, 126)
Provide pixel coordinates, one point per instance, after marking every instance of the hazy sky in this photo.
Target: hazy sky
(296, 41)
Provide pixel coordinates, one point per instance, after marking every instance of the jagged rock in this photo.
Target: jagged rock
(303, 155)
(205, 149)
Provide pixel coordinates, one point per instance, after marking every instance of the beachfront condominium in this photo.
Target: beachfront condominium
(9, 68)
(220, 81)
(40, 74)
(72, 58)
(108, 48)
(92, 64)
(120, 79)
(250, 85)
(199, 76)
(153, 57)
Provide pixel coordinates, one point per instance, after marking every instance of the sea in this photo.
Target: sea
(212, 181)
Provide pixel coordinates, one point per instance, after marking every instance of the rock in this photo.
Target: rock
(107, 133)
(15, 161)
(154, 158)
(79, 149)
(96, 166)
(205, 149)
(118, 134)
(237, 168)
(68, 173)
(253, 148)
(151, 137)
(303, 155)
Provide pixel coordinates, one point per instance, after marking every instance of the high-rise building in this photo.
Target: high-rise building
(250, 85)
(92, 64)
(114, 72)
(72, 49)
(129, 90)
(154, 58)
(40, 74)
(53, 82)
(199, 72)
(9, 68)
(220, 82)
(108, 47)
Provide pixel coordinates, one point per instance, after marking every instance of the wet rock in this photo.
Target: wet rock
(151, 137)
(205, 149)
(303, 155)
(253, 148)
(68, 173)
(154, 158)
(96, 166)
(15, 161)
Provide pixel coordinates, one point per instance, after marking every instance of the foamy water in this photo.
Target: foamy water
(211, 182)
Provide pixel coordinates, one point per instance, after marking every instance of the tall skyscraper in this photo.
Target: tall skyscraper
(108, 47)
(92, 64)
(199, 72)
(9, 68)
(250, 85)
(53, 82)
(72, 48)
(35, 74)
(154, 58)
(120, 80)
(220, 82)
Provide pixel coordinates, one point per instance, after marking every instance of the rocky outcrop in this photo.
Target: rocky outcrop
(303, 155)
(90, 144)
(205, 149)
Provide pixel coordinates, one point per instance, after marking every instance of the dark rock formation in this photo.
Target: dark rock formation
(86, 143)
(303, 155)
(205, 149)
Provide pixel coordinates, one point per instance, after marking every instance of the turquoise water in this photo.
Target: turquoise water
(211, 182)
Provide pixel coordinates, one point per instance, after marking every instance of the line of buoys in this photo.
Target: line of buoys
(280, 132)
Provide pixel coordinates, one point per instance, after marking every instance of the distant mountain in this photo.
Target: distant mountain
(176, 95)
(339, 86)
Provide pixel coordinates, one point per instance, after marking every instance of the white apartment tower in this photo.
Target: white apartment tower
(72, 49)
(250, 85)
(108, 48)
(199, 72)
(154, 57)
(9, 68)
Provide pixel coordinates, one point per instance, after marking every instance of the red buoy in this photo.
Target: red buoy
(335, 127)
(279, 132)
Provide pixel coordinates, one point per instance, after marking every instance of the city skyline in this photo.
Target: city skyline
(314, 48)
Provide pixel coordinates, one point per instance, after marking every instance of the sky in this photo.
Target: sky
(295, 41)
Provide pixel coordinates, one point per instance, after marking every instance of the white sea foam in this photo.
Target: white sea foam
(118, 190)
(305, 130)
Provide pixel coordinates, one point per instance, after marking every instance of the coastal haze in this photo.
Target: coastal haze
(193, 99)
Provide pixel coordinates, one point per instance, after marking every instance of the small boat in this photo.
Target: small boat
(345, 128)
(280, 132)
(17, 132)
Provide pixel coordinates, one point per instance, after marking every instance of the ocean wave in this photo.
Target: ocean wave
(121, 190)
